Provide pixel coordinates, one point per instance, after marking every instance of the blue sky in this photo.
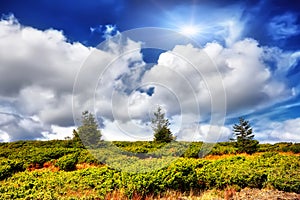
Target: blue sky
(254, 45)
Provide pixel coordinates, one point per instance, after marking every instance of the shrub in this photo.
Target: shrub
(8, 167)
(67, 162)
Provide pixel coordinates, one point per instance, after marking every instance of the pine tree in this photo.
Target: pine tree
(75, 136)
(160, 126)
(244, 137)
(88, 131)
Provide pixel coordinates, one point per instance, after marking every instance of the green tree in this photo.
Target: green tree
(160, 126)
(244, 137)
(75, 136)
(88, 132)
(76, 141)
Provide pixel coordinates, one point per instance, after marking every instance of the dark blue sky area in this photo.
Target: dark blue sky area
(269, 22)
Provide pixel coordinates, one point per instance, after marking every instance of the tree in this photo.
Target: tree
(76, 140)
(244, 137)
(89, 133)
(160, 126)
(75, 136)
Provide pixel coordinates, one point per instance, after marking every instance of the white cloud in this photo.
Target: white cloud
(40, 58)
(107, 31)
(37, 78)
(275, 131)
(284, 26)
(247, 79)
(21, 128)
(249, 82)
(127, 131)
(58, 132)
(37, 72)
(4, 137)
(204, 132)
(110, 30)
(35, 98)
(234, 30)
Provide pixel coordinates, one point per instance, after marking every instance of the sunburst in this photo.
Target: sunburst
(189, 30)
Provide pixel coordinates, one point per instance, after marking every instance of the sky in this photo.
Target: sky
(206, 63)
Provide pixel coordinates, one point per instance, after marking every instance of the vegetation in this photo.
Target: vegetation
(88, 132)
(67, 162)
(160, 126)
(184, 174)
(244, 137)
(62, 169)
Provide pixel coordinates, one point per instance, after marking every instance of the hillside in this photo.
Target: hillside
(64, 169)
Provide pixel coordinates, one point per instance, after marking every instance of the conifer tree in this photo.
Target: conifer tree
(160, 126)
(244, 137)
(88, 132)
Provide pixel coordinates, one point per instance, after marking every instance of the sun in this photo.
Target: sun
(189, 30)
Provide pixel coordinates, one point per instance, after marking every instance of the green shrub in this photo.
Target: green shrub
(5, 171)
(224, 148)
(8, 167)
(193, 150)
(85, 156)
(67, 162)
(295, 148)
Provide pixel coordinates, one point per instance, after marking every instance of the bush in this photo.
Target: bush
(8, 167)
(296, 148)
(224, 148)
(183, 174)
(86, 157)
(67, 162)
(193, 150)
(5, 171)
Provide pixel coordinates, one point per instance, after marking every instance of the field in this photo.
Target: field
(143, 170)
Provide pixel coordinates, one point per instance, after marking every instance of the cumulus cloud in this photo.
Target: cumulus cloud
(37, 78)
(250, 82)
(247, 79)
(277, 131)
(37, 72)
(15, 127)
(45, 56)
